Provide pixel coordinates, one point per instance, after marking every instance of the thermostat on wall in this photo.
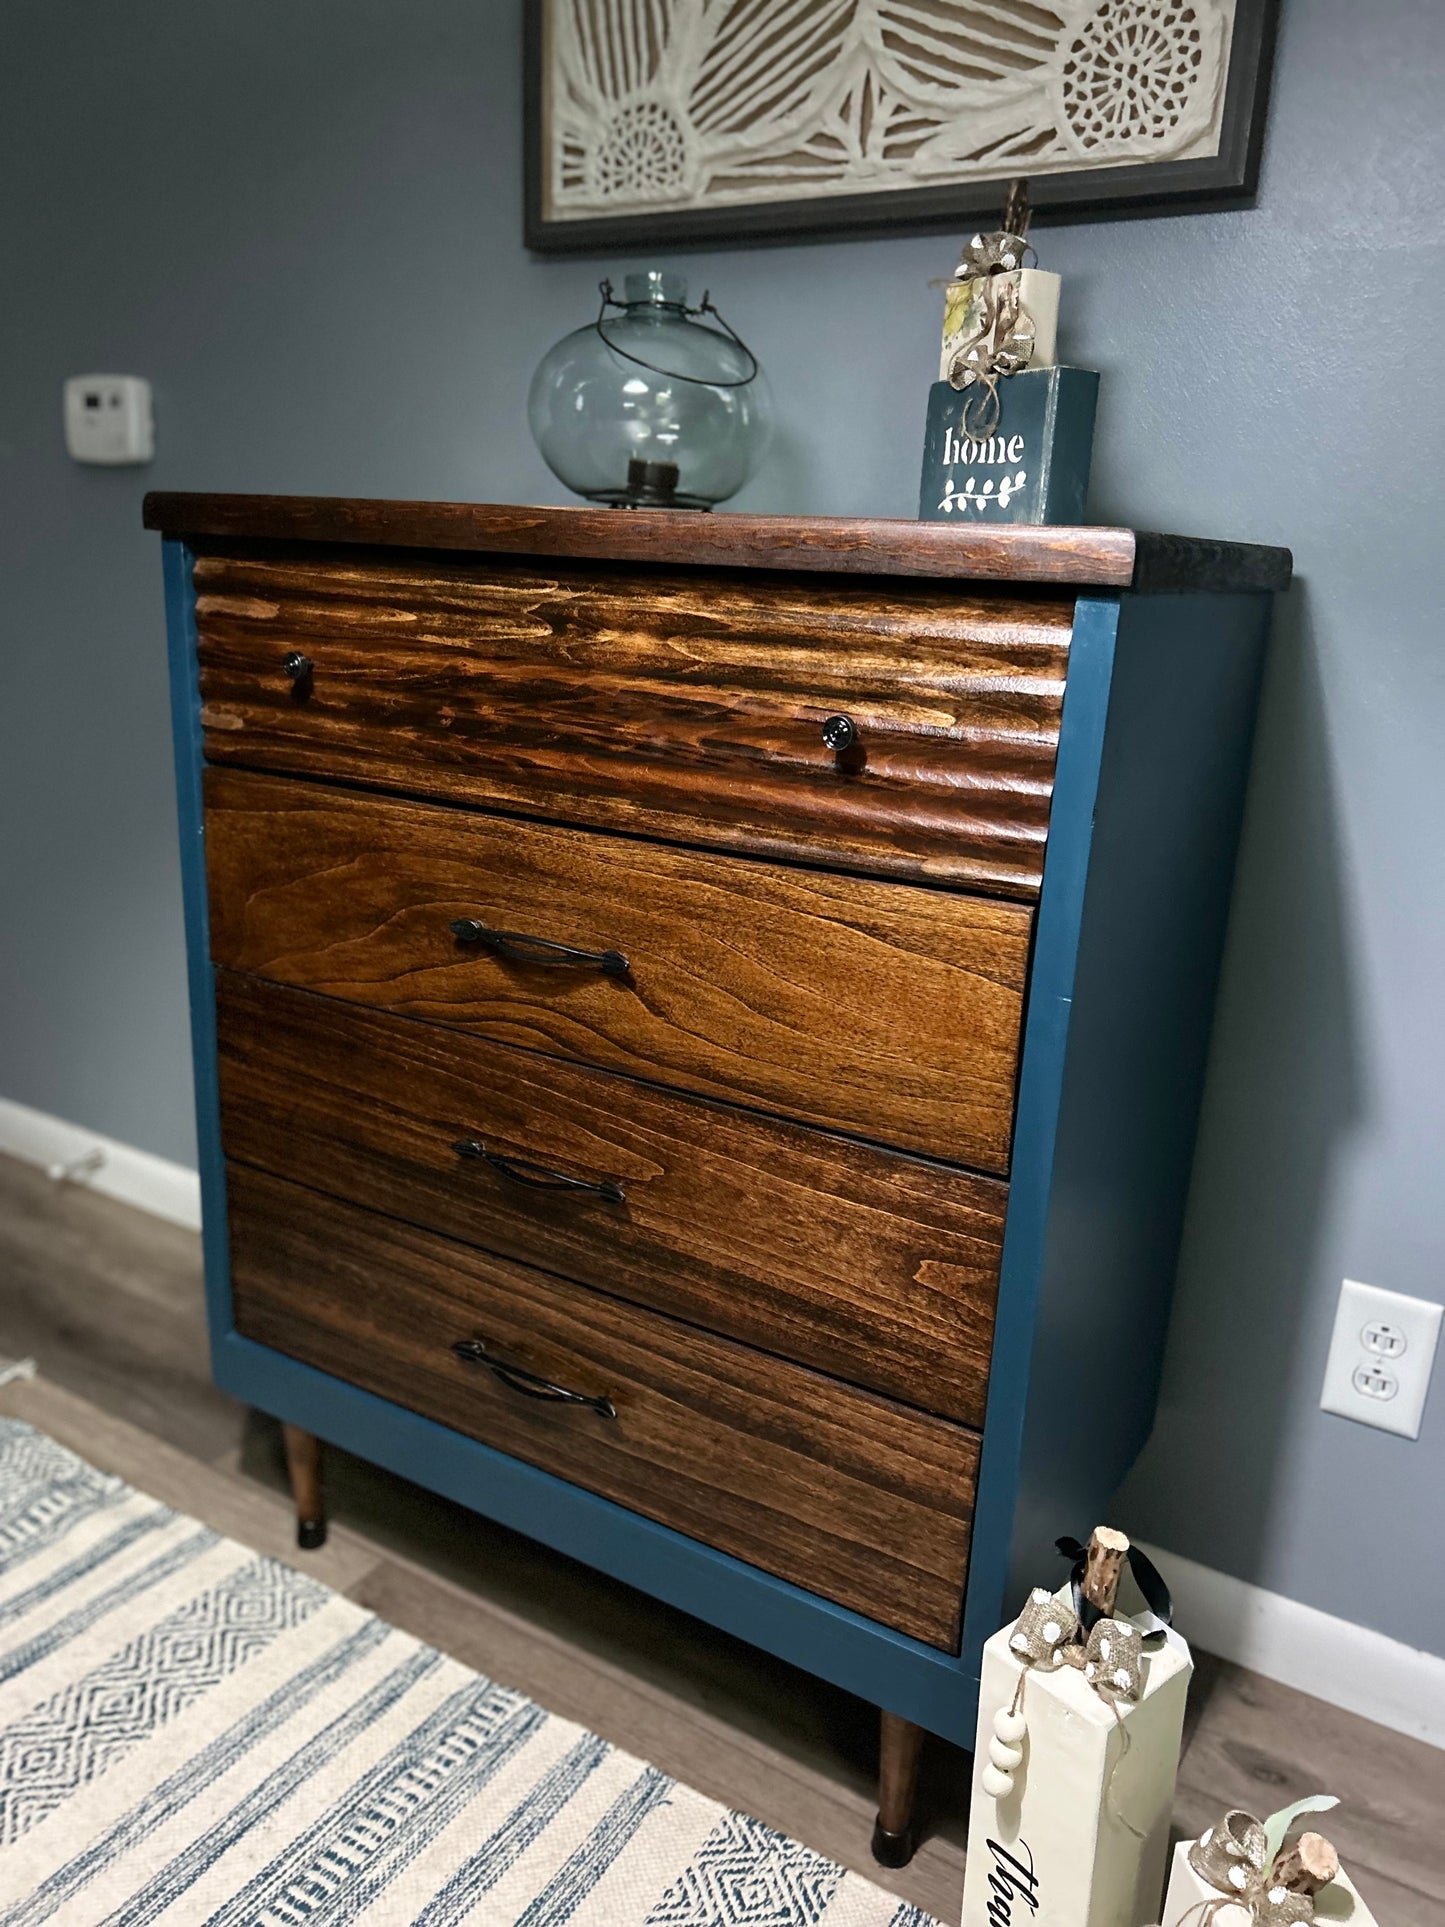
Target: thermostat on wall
(108, 419)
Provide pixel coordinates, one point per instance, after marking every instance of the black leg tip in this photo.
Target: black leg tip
(893, 1849)
(310, 1533)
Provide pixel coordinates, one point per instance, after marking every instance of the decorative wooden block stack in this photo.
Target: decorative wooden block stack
(1190, 1894)
(1074, 1763)
(1009, 434)
(1278, 1885)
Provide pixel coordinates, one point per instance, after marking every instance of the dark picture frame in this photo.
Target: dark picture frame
(1227, 179)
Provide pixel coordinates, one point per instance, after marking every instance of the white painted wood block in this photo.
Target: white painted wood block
(1038, 297)
(1340, 1902)
(1083, 1837)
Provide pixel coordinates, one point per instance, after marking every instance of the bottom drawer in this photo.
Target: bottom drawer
(843, 1492)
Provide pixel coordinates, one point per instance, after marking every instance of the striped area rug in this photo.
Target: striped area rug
(191, 1733)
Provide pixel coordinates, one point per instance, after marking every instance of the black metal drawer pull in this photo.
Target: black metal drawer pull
(473, 1351)
(840, 733)
(520, 948)
(538, 1176)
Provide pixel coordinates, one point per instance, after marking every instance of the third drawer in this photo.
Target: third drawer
(879, 1268)
(847, 1494)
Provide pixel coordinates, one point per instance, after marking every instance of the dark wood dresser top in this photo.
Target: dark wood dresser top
(1109, 558)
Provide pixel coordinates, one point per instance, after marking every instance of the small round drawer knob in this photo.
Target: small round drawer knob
(296, 665)
(840, 733)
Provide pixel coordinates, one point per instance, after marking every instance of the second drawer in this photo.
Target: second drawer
(878, 1268)
(880, 1009)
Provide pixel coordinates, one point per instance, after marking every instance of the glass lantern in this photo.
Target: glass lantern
(649, 407)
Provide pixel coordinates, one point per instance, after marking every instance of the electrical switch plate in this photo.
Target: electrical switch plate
(108, 419)
(1380, 1358)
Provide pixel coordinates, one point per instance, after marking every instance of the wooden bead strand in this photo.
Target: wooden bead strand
(1104, 1564)
(1005, 1748)
(1010, 1729)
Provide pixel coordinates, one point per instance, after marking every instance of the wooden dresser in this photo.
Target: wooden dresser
(698, 1026)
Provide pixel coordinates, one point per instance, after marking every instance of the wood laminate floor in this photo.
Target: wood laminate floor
(108, 1302)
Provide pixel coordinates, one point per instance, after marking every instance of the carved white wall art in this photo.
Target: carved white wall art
(701, 111)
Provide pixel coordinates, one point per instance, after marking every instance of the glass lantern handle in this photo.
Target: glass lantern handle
(705, 306)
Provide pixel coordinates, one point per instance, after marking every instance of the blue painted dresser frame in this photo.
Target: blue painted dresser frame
(1152, 765)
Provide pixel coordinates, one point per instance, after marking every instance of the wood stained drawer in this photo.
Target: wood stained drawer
(685, 705)
(880, 1009)
(878, 1268)
(842, 1492)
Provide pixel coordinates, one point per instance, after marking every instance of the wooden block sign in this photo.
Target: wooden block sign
(1033, 468)
(1078, 1834)
(1191, 1899)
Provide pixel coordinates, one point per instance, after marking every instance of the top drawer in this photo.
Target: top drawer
(686, 706)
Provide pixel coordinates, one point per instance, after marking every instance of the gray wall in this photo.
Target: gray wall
(302, 222)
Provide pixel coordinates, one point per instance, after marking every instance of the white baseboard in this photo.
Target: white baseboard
(1350, 1666)
(75, 1155)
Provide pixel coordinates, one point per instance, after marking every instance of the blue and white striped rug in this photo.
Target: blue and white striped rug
(192, 1733)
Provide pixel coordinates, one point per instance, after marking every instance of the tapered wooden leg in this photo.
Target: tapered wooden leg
(303, 1463)
(893, 1836)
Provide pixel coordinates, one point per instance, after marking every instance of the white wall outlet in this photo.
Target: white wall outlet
(1380, 1359)
(108, 419)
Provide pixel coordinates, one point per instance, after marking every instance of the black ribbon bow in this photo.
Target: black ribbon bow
(1147, 1577)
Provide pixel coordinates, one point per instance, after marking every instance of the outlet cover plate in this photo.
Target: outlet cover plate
(1381, 1356)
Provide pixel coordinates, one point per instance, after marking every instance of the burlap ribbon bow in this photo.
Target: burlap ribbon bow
(1234, 1857)
(1002, 342)
(1111, 1658)
(1046, 1626)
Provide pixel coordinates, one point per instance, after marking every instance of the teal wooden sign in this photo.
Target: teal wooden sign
(1034, 467)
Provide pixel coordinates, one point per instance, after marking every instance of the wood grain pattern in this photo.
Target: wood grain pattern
(183, 1480)
(879, 1009)
(109, 1299)
(303, 1464)
(900, 1744)
(1251, 1742)
(838, 1490)
(880, 1269)
(1103, 557)
(683, 706)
